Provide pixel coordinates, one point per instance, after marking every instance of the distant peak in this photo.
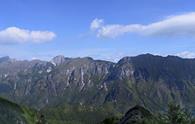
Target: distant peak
(88, 58)
(125, 59)
(59, 56)
(58, 60)
(171, 56)
(148, 55)
(5, 58)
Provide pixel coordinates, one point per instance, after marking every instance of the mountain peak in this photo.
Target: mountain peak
(59, 60)
(87, 58)
(128, 59)
(5, 58)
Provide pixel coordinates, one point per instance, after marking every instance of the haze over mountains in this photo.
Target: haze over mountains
(148, 80)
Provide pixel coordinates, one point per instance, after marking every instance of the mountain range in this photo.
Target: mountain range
(148, 80)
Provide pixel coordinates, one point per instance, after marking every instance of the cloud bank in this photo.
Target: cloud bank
(172, 26)
(186, 54)
(18, 35)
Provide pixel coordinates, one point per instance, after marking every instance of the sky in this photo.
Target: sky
(102, 29)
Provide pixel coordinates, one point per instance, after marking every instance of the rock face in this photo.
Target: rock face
(149, 80)
(59, 60)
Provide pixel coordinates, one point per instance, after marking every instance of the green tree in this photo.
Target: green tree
(113, 120)
(41, 119)
(178, 115)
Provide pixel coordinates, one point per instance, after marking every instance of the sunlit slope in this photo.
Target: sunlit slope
(11, 113)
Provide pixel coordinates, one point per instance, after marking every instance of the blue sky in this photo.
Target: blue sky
(46, 28)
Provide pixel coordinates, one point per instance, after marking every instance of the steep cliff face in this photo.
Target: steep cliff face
(153, 81)
(39, 83)
(149, 80)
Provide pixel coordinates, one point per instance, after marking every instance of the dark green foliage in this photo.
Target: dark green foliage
(11, 113)
(77, 114)
(178, 115)
(175, 115)
(112, 120)
(41, 119)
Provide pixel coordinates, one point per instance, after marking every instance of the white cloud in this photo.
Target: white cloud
(186, 54)
(18, 35)
(97, 23)
(179, 25)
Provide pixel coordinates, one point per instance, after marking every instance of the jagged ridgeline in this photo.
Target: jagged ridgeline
(97, 85)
